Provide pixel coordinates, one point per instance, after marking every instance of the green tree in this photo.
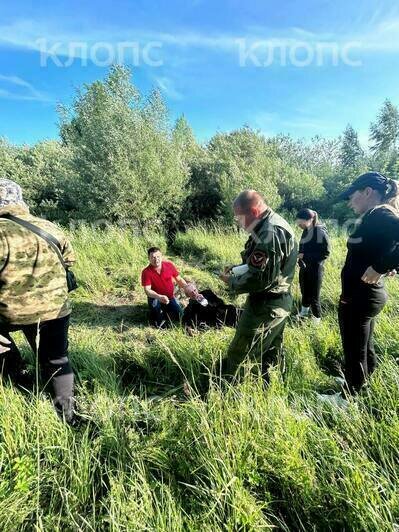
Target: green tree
(11, 166)
(240, 160)
(384, 133)
(351, 152)
(185, 141)
(126, 166)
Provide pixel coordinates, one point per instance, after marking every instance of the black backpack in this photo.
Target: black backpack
(215, 314)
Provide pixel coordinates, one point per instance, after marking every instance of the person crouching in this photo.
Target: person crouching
(158, 280)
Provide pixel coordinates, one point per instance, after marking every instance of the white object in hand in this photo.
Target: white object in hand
(201, 300)
(239, 270)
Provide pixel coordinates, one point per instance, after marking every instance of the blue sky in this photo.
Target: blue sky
(305, 67)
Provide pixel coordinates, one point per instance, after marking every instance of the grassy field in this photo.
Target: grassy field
(246, 458)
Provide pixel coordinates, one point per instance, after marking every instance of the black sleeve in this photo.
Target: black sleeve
(325, 246)
(388, 225)
(319, 249)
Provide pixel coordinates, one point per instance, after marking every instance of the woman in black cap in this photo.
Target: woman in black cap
(314, 248)
(373, 253)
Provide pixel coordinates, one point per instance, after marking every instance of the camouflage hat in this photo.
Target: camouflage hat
(10, 193)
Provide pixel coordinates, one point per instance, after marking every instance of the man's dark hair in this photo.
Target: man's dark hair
(152, 250)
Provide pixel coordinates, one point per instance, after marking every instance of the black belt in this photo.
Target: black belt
(263, 296)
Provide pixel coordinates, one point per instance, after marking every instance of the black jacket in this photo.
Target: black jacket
(375, 243)
(215, 314)
(315, 245)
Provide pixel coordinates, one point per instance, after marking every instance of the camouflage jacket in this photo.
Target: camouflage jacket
(271, 255)
(32, 279)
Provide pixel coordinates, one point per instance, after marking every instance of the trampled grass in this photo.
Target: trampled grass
(246, 458)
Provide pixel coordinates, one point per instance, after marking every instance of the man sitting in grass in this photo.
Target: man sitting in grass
(158, 280)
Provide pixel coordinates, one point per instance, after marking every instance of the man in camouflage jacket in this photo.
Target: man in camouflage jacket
(270, 256)
(34, 297)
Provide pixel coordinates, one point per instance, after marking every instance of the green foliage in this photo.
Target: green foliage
(384, 133)
(241, 160)
(125, 165)
(351, 152)
(119, 160)
(299, 188)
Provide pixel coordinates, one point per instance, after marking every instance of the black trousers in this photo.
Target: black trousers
(356, 322)
(310, 280)
(49, 341)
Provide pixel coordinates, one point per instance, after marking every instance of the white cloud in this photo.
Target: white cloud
(379, 36)
(168, 88)
(274, 124)
(16, 88)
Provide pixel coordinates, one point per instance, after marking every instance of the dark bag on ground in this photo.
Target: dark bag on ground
(215, 314)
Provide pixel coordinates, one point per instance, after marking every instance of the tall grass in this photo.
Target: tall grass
(246, 457)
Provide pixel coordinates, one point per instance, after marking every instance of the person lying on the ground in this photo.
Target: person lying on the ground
(159, 279)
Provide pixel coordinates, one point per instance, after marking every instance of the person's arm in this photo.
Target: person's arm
(68, 253)
(326, 245)
(388, 259)
(263, 268)
(3, 249)
(154, 295)
(322, 246)
(4, 342)
(181, 283)
(146, 284)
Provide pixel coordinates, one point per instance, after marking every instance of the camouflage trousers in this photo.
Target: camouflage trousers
(259, 332)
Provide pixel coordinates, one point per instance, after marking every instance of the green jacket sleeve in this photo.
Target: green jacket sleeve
(263, 268)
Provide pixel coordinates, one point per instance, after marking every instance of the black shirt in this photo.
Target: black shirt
(314, 244)
(375, 243)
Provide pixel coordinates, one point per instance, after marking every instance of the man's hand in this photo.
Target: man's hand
(370, 276)
(3, 344)
(392, 273)
(164, 300)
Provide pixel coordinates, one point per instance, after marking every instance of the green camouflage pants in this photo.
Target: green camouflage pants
(259, 332)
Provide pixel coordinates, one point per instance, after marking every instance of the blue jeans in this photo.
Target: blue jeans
(160, 312)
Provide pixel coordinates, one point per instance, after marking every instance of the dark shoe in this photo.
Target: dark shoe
(65, 408)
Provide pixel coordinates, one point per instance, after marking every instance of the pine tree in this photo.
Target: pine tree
(351, 153)
(384, 133)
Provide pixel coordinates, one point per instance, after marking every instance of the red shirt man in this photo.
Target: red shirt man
(158, 280)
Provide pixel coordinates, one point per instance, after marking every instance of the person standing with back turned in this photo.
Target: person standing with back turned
(34, 296)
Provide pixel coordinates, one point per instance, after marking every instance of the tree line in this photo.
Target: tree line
(120, 160)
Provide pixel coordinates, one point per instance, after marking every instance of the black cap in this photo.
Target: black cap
(374, 180)
(305, 214)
